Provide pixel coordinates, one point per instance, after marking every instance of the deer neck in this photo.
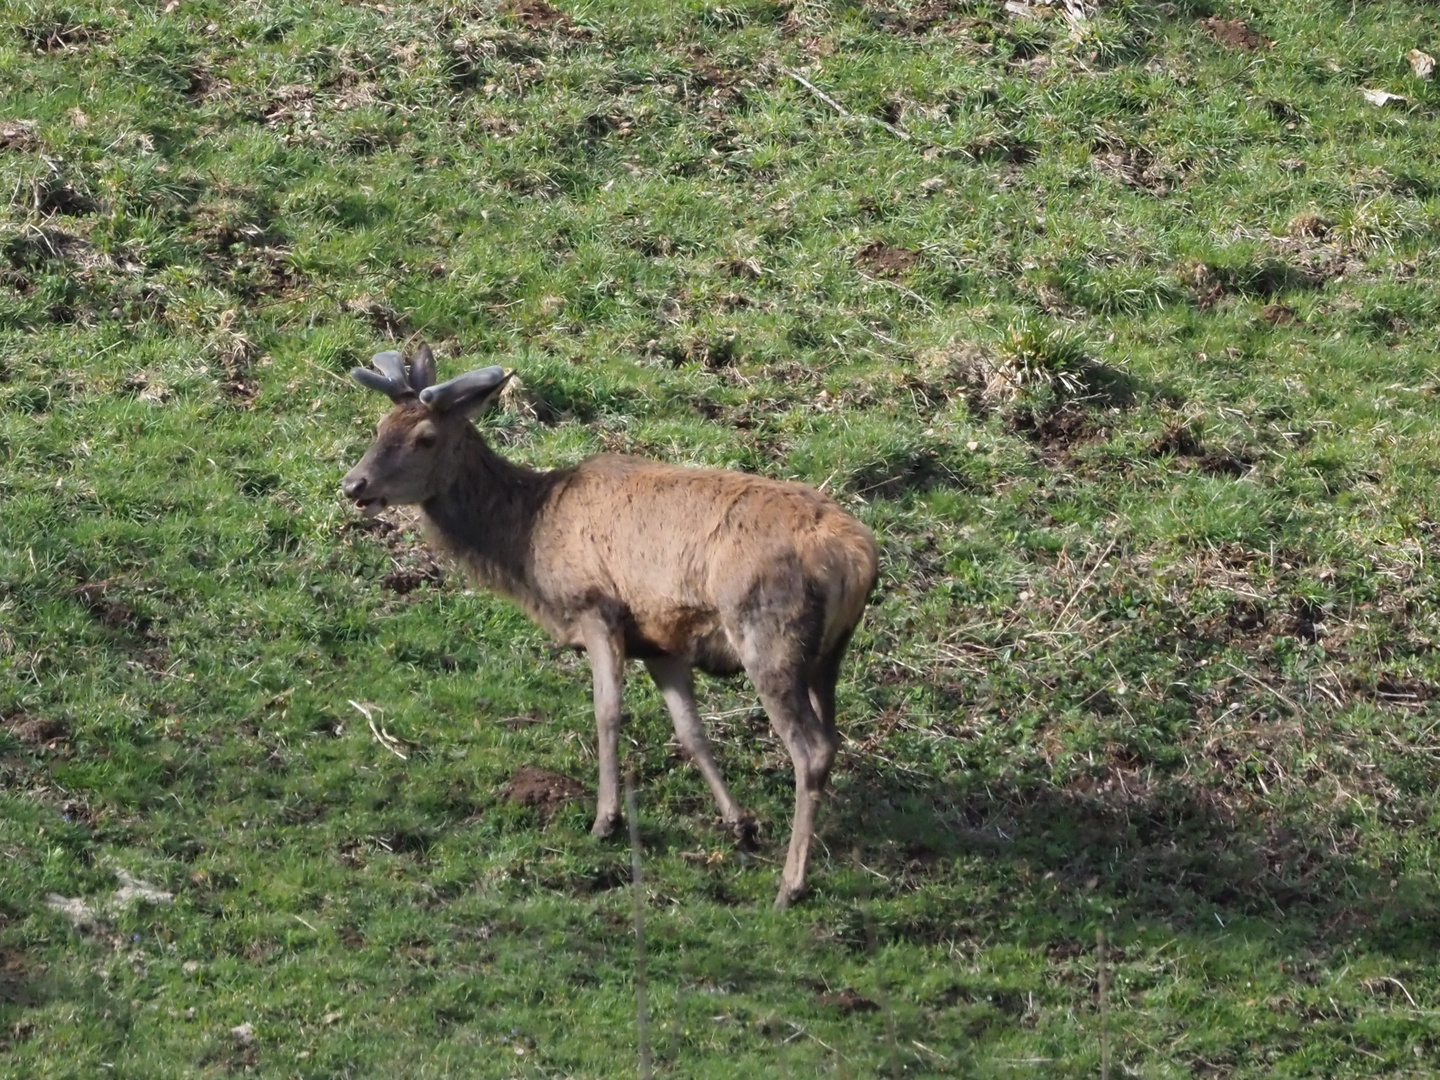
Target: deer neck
(484, 518)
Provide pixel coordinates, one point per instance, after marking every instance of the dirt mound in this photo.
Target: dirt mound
(1234, 33)
(538, 16)
(1280, 315)
(885, 260)
(1057, 428)
(18, 135)
(847, 1001)
(1133, 166)
(542, 789)
(34, 731)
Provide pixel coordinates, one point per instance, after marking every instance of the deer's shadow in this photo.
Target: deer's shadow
(1117, 853)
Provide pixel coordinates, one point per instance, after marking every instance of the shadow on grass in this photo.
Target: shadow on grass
(24, 987)
(18, 983)
(1152, 852)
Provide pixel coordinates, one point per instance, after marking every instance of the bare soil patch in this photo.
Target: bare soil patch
(922, 18)
(1246, 616)
(847, 1001)
(240, 391)
(1182, 442)
(1307, 620)
(1280, 315)
(601, 879)
(413, 563)
(1002, 150)
(1235, 33)
(202, 84)
(709, 85)
(1301, 264)
(1133, 166)
(885, 260)
(1394, 690)
(542, 789)
(1057, 429)
(715, 352)
(61, 34)
(18, 135)
(13, 979)
(406, 579)
(537, 15)
(57, 194)
(382, 316)
(36, 732)
(112, 612)
(1308, 224)
(920, 469)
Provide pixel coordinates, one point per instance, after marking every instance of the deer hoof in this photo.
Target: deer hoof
(605, 826)
(746, 831)
(786, 897)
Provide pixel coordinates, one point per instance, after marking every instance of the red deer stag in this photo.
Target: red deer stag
(624, 557)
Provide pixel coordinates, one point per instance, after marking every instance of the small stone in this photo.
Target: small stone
(243, 1034)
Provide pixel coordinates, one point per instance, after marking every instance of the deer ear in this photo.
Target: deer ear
(466, 394)
(422, 369)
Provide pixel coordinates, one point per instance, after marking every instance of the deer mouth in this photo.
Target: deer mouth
(370, 507)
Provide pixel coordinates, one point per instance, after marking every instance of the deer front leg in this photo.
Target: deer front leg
(606, 649)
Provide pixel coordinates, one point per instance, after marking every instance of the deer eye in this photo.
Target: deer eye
(425, 438)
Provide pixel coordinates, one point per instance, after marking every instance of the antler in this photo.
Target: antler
(422, 368)
(390, 377)
(465, 392)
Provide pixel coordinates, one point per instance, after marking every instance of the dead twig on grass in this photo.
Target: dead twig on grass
(1276, 694)
(383, 737)
(1084, 584)
(1397, 982)
(911, 293)
(846, 113)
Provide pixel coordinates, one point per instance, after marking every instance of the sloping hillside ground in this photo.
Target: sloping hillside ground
(1119, 330)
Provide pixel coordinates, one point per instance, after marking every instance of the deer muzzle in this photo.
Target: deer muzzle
(353, 487)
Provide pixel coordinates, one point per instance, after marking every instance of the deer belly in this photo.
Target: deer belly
(689, 634)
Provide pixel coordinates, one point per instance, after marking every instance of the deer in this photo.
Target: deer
(629, 558)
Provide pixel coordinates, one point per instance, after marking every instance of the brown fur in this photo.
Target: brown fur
(684, 568)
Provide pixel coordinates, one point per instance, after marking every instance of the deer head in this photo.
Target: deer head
(417, 443)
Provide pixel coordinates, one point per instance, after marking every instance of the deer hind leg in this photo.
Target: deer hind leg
(676, 680)
(823, 677)
(606, 648)
(812, 744)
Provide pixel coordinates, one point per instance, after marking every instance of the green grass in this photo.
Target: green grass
(1128, 356)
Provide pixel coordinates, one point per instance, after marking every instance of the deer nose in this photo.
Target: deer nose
(352, 486)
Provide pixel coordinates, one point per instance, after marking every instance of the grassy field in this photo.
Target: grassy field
(1122, 335)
